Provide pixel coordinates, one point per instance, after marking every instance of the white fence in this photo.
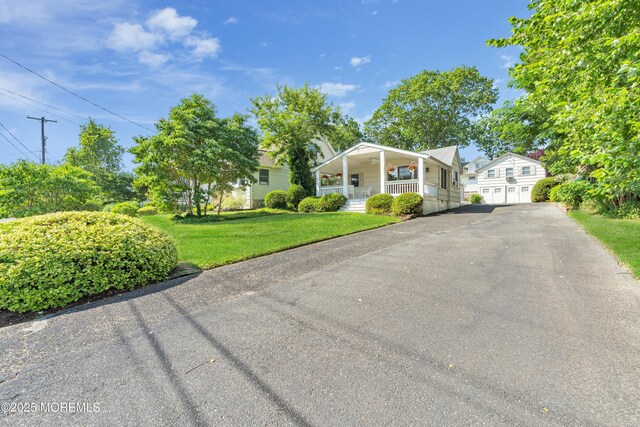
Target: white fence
(330, 190)
(399, 187)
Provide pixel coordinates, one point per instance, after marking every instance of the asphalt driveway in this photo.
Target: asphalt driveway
(506, 315)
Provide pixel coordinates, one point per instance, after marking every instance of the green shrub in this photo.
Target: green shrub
(379, 204)
(232, 202)
(407, 204)
(126, 208)
(148, 210)
(542, 189)
(309, 204)
(571, 193)
(331, 202)
(295, 194)
(92, 206)
(108, 207)
(52, 260)
(476, 198)
(276, 199)
(629, 209)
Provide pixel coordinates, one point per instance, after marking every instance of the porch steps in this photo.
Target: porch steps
(354, 205)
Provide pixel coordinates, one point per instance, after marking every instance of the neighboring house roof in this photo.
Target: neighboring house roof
(445, 154)
(503, 157)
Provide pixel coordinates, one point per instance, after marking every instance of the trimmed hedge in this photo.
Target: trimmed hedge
(126, 208)
(295, 194)
(276, 199)
(407, 204)
(542, 189)
(52, 260)
(309, 204)
(148, 210)
(475, 199)
(331, 202)
(379, 204)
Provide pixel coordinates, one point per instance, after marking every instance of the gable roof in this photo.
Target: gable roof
(505, 156)
(445, 154)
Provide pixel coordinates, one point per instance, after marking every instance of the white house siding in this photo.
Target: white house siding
(499, 189)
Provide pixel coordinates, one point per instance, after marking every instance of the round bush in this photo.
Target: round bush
(379, 204)
(148, 210)
(309, 204)
(52, 260)
(571, 193)
(295, 194)
(475, 199)
(331, 202)
(407, 204)
(126, 208)
(542, 189)
(276, 199)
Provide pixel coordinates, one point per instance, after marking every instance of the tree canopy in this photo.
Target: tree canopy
(195, 155)
(432, 109)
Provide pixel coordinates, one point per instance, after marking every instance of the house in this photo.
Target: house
(469, 177)
(508, 179)
(271, 176)
(366, 169)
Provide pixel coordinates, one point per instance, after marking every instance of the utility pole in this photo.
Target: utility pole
(44, 138)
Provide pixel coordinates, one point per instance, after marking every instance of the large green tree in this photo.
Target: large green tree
(195, 155)
(290, 122)
(580, 66)
(100, 154)
(432, 109)
(346, 132)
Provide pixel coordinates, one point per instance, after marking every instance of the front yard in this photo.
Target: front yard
(621, 236)
(209, 244)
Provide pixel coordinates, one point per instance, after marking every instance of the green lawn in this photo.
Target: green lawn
(621, 236)
(210, 244)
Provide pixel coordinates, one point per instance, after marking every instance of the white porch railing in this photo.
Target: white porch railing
(399, 187)
(330, 189)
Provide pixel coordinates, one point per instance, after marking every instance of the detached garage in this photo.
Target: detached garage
(509, 179)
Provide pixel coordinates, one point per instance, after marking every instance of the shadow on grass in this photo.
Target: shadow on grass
(228, 216)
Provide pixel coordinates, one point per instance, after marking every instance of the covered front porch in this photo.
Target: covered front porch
(369, 169)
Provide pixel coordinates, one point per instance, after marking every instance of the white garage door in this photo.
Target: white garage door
(492, 195)
(513, 194)
(506, 194)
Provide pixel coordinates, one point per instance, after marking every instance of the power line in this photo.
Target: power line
(14, 137)
(15, 146)
(73, 93)
(43, 103)
(41, 109)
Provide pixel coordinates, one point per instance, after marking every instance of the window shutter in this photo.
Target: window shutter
(533, 169)
(497, 173)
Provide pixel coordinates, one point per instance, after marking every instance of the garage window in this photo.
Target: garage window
(525, 189)
(511, 190)
(497, 190)
(485, 191)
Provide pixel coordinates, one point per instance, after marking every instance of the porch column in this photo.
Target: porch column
(318, 182)
(383, 172)
(345, 170)
(421, 176)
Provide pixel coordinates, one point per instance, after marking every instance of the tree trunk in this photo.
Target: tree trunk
(220, 201)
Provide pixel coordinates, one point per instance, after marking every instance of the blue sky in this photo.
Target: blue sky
(138, 58)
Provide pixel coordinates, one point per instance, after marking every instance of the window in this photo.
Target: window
(525, 189)
(355, 180)
(455, 178)
(509, 172)
(526, 170)
(497, 190)
(472, 178)
(443, 178)
(485, 191)
(511, 190)
(405, 173)
(263, 176)
(491, 173)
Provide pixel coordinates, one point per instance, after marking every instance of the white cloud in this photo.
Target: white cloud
(203, 47)
(389, 84)
(131, 37)
(264, 44)
(497, 82)
(169, 22)
(357, 61)
(509, 61)
(374, 13)
(231, 20)
(348, 107)
(336, 89)
(337, 68)
(151, 59)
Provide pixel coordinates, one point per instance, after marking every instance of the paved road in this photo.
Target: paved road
(510, 315)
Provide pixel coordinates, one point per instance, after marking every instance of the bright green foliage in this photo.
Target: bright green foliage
(379, 204)
(432, 109)
(475, 199)
(295, 194)
(571, 193)
(28, 188)
(147, 210)
(580, 66)
(195, 155)
(407, 204)
(309, 204)
(629, 209)
(290, 122)
(346, 133)
(540, 191)
(52, 260)
(91, 206)
(276, 199)
(126, 208)
(331, 202)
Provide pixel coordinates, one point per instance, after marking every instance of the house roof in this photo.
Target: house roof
(505, 156)
(445, 154)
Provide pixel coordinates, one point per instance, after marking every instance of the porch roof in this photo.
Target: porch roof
(368, 148)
